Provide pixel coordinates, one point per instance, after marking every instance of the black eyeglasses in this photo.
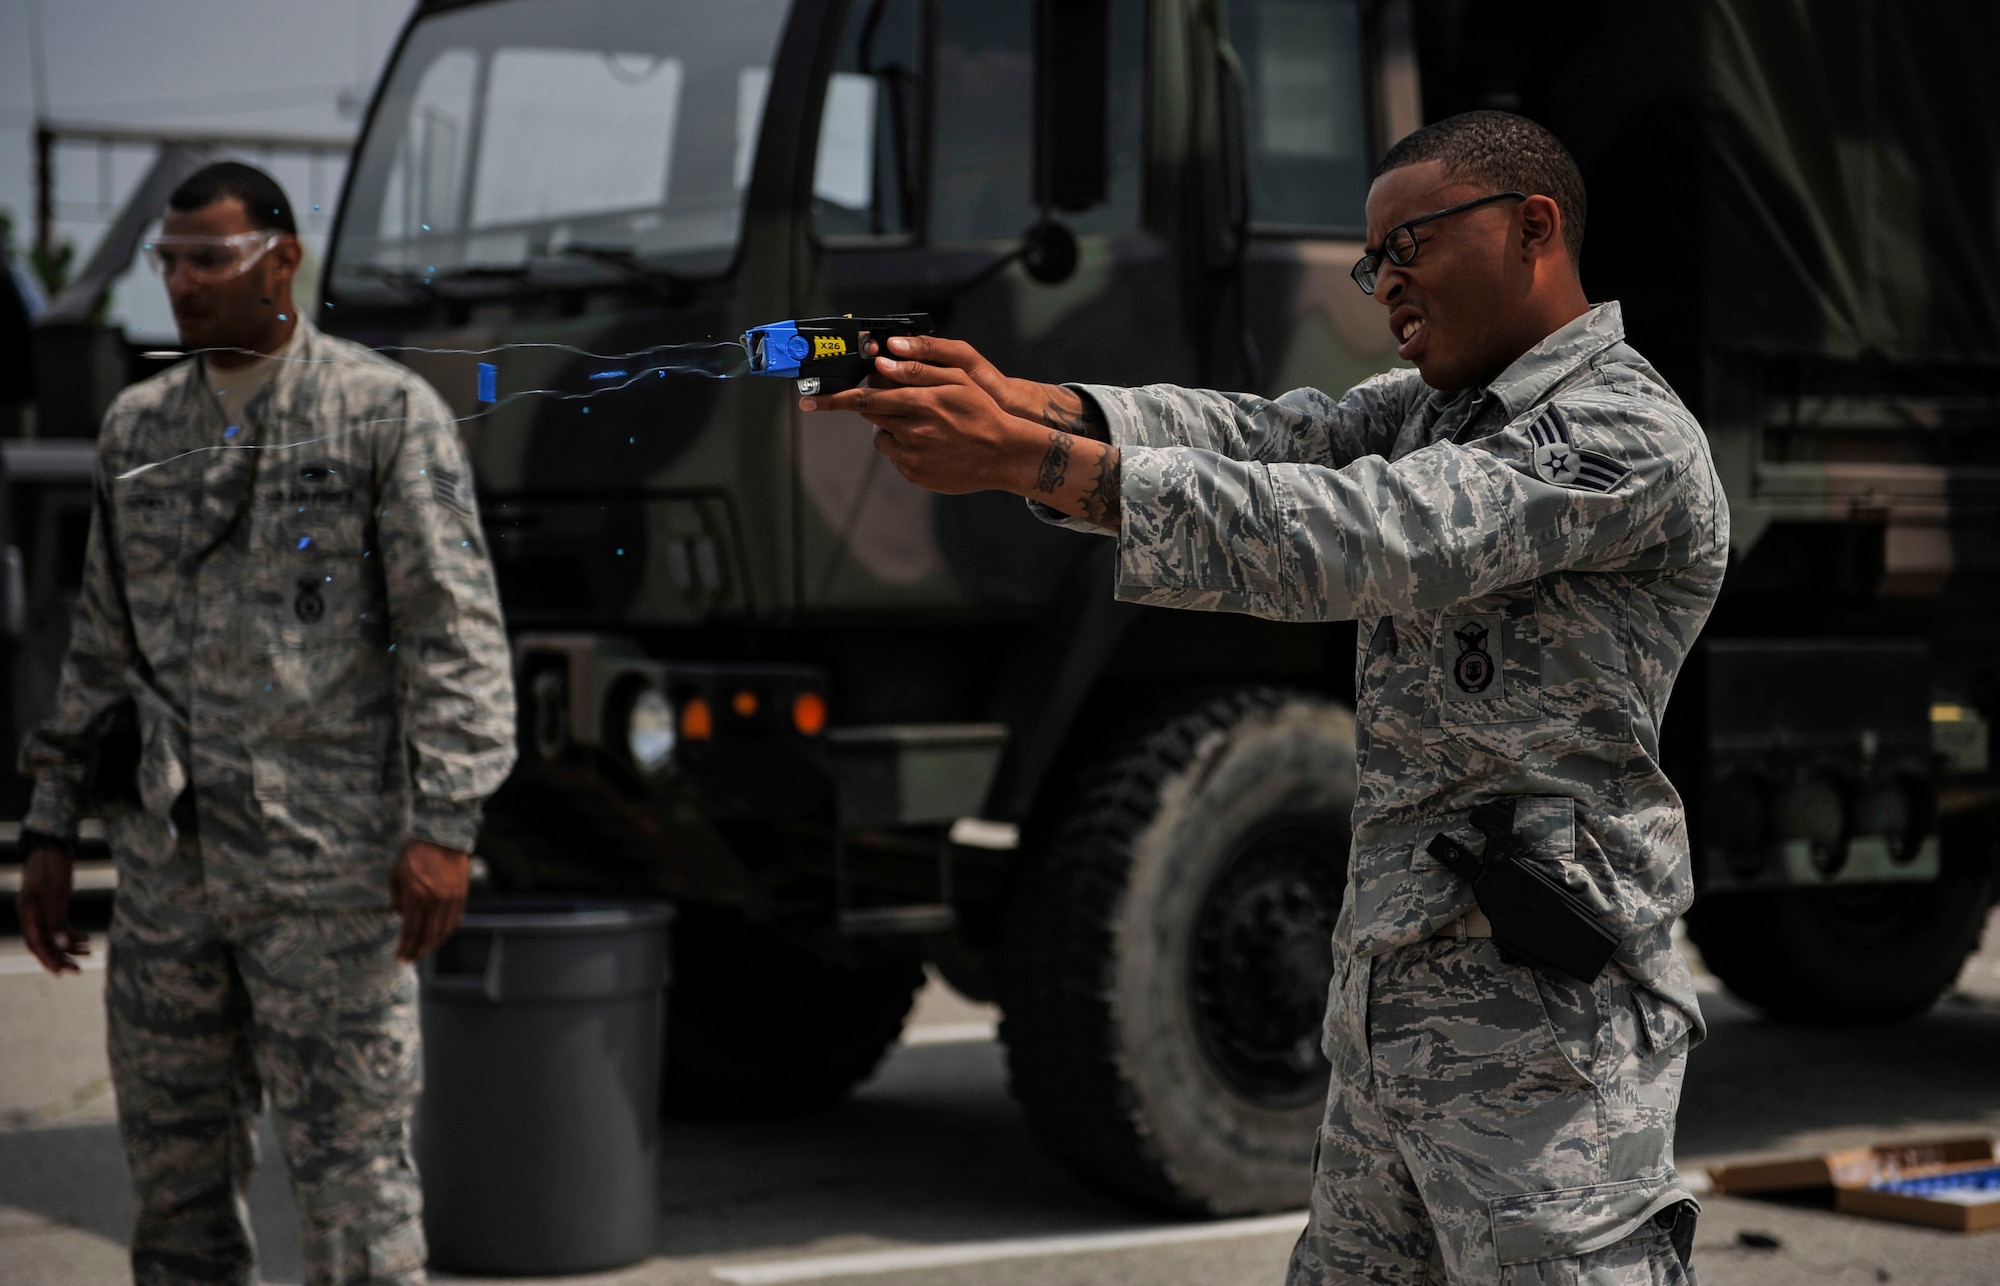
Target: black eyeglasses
(1399, 244)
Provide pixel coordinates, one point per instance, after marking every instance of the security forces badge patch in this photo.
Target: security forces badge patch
(1472, 658)
(1474, 668)
(1559, 460)
(309, 606)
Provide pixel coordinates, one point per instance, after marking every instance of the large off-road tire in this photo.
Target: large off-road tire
(1865, 954)
(1168, 952)
(759, 1027)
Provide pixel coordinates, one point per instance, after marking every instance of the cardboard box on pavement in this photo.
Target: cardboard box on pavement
(1945, 1183)
(1848, 1167)
(1962, 1198)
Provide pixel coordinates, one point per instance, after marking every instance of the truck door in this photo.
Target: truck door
(1322, 94)
(925, 180)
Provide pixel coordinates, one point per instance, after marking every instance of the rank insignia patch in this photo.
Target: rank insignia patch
(1559, 460)
(444, 485)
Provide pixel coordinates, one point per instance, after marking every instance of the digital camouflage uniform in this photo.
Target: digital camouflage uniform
(311, 635)
(1529, 564)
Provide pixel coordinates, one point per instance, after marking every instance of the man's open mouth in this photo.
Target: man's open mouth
(1410, 336)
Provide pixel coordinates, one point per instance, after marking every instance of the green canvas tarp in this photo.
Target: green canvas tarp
(1811, 179)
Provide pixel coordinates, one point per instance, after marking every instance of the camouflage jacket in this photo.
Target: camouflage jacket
(1529, 564)
(309, 628)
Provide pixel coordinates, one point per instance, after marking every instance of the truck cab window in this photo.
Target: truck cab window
(426, 175)
(984, 188)
(1307, 126)
(541, 106)
(984, 152)
(561, 141)
(864, 173)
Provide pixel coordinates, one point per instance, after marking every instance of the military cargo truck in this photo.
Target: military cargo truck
(1798, 203)
(851, 727)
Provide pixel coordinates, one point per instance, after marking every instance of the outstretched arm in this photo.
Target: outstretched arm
(951, 422)
(945, 431)
(1050, 405)
(1305, 426)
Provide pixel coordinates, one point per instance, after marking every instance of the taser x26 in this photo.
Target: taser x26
(825, 354)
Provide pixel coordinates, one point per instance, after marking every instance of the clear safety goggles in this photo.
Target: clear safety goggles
(209, 258)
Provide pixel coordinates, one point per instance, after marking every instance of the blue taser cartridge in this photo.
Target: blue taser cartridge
(825, 354)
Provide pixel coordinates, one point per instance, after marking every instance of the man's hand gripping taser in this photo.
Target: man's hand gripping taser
(825, 354)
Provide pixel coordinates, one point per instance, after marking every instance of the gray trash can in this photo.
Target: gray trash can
(538, 1132)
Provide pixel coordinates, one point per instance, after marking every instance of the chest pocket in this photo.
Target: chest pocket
(312, 501)
(1487, 664)
(318, 583)
(151, 518)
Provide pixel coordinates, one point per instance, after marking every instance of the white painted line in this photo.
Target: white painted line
(977, 832)
(982, 1252)
(90, 828)
(14, 965)
(87, 875)
(950, 1033)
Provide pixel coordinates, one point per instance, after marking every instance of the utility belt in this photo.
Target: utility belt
(1530, 916)
(1473, 924)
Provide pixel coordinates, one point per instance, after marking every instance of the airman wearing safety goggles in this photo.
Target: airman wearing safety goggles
(209, 259)
(229, 281)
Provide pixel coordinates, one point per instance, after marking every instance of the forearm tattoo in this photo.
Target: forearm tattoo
(1071, 412)
(1100, 502)
(1055, 465)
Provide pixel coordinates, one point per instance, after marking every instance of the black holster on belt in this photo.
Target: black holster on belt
(1536, 920)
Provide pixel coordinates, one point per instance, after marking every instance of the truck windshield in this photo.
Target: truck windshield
(523, 134)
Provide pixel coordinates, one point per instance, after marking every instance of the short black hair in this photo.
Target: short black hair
(1506, 152)
(263, 200)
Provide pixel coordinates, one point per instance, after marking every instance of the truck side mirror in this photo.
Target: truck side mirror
(1072, 104)
(1048, 252)
(13, 593)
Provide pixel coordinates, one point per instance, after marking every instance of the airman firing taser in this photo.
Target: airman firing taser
(825, 354)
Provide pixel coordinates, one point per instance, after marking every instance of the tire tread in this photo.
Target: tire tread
(1058, 1026)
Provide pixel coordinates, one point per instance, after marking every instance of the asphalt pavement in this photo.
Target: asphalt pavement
(928, 1177)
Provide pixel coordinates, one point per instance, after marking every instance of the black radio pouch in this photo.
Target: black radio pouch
(113, 773)
(1536, 921)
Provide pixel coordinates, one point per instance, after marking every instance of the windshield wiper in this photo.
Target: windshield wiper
(627, 263)
(421, 282)
(435, 285)
(620, 260)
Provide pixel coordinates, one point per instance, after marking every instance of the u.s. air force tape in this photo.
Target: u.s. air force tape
(1559, 460)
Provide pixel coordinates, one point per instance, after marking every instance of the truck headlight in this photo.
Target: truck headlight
(1811, 809)
(649, 730)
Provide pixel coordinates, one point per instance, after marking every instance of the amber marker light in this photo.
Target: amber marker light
(744, 703)
(809, 713)
(697, 720)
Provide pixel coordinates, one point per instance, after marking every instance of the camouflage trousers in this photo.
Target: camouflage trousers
(209, 1013)
(1491, 1123)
